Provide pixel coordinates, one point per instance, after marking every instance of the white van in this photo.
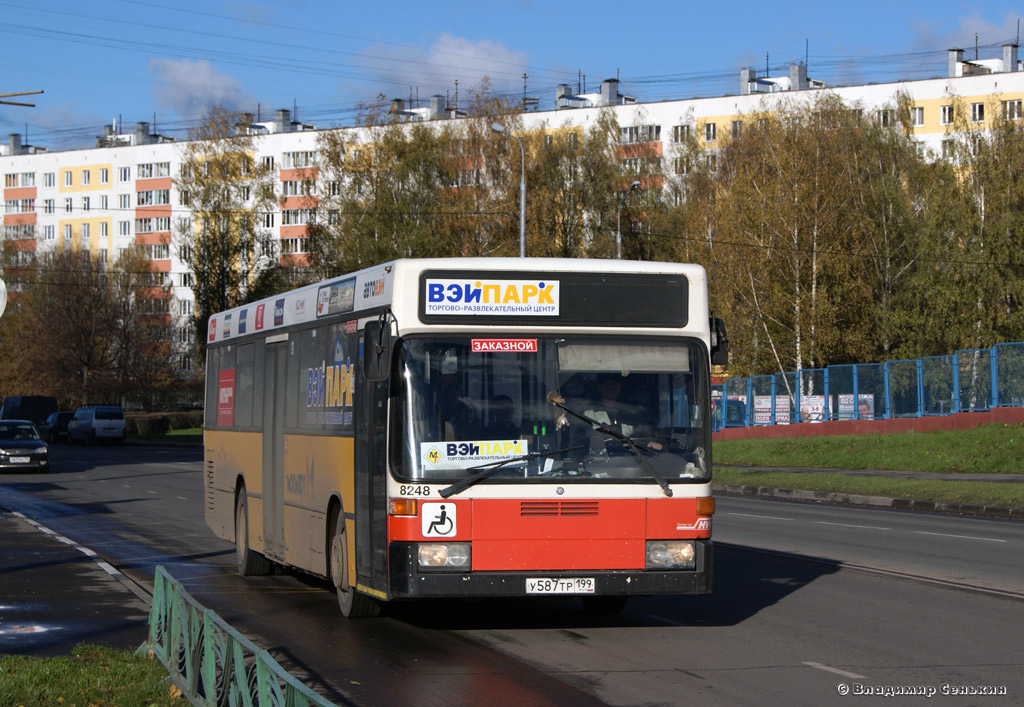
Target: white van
(94, 423)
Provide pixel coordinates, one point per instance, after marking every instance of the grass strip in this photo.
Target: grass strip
(983, 493)
(91, 675)
(989, 449)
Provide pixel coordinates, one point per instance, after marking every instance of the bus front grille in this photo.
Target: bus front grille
(558, 508)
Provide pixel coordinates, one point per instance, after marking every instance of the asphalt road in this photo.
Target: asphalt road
(790, 621)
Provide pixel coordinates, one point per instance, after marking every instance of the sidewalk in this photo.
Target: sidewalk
(852, 499)
(55, 596)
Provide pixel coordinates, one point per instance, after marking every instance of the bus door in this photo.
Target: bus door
(371, 515)
(273, 451)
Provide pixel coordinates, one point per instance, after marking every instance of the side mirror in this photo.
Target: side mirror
(376, 350)
(719, 343)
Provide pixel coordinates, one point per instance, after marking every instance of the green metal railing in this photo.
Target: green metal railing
(212, 663)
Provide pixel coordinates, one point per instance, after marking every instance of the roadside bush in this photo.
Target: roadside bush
(156, 423)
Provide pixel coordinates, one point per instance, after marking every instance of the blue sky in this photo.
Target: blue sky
(133, 60)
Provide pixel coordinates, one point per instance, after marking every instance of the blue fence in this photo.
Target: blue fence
(969, 380)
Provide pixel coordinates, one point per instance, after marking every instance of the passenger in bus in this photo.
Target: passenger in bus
(500, 424)
(610, 409)
(461, 420)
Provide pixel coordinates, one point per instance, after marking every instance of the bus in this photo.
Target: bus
(433, 428)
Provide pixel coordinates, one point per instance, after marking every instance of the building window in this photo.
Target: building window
(296, 217)
(680, 133)
(104, 176)
(49, 233)
(67, 231)
(291, 246)
(185, 306)
(124, 174)
(104, 229)
(162, 169)
(86, 177)
(1012, 110)
(84, 233)
(187, 279)
(884, 117)
(267, 163)
(124, 228)
(85, 203)
(103, 255)
(736, 128)
(298, 160)
(268, 219)
(298, 187)
(917, 116)
(104, 202)
(977, 112)
(948, 149)
(710, 132)
(143, 225)
(144, 171)
(48, 206)
(124, 201)
(68, 206)
(68, 179)
(635, 134)
(49, 179)
(711, 161)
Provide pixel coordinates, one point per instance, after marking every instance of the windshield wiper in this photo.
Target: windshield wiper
(491, 467)
(630, 444)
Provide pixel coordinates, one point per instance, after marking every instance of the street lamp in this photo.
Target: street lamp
(500, 129)
(618, 219)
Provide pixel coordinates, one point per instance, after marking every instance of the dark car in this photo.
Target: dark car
(21, 448)
(55, 427)
(34, 408)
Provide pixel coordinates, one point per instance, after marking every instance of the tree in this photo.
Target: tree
(86, 333)
(225, 243)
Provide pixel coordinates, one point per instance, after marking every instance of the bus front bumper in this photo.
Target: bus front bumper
(407, 581)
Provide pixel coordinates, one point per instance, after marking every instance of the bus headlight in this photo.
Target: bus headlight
(671, 555)
(453, 556)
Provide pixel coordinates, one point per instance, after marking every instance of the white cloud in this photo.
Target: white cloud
(192, 87)
(435, 68)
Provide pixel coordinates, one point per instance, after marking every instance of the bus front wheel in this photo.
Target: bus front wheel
(250, 562)
(352, 603)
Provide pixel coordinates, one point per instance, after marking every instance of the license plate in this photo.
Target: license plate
(560, 585)
(20, 460)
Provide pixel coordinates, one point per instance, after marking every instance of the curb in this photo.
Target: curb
(852, 499)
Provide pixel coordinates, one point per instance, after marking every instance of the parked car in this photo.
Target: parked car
(94, 423)
(21, 448)
(34, 408)
(55, 427)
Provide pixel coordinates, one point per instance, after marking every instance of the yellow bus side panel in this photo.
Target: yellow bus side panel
(228, 456)
(316, 468)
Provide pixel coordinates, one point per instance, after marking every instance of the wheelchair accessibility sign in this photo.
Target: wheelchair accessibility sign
(438, 520)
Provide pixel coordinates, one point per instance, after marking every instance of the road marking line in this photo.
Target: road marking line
(963, 537)
(850, 525)
(754, 515)
(837, 671)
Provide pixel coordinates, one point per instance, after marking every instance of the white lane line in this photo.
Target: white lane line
(837, 671)
(962, 537)
(754, 515)
(850, 525)
(182, 498)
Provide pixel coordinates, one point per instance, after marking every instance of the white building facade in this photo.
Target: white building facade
(121, 193)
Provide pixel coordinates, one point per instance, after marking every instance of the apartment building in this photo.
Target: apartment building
(121, 192)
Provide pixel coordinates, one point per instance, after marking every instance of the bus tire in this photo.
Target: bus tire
(604, 605)
(250, 563)
(353, 604)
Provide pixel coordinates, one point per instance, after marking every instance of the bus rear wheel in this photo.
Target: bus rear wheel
(250, 563)
(353, 604)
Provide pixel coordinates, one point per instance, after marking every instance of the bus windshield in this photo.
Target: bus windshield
(559, 409)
